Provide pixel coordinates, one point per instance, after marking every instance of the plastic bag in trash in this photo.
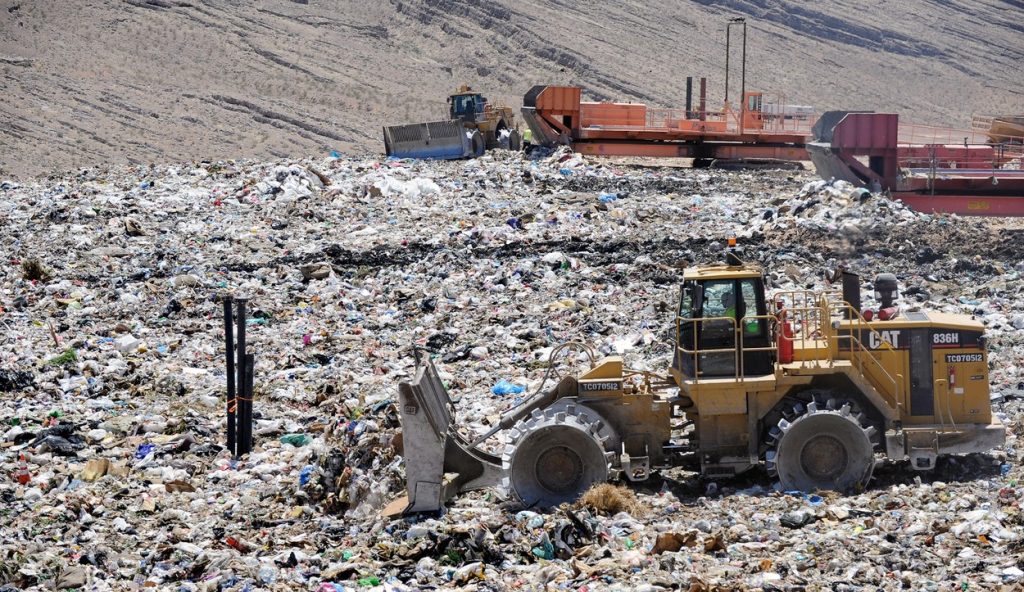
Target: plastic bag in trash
(505, 387)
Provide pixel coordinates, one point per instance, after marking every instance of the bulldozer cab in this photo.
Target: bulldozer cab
(466, 106)
(723, 328)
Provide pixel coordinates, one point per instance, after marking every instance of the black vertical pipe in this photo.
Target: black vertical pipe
(245, 422)
(240, 368)
(743, 75)
(703, 98)
(229, 356)
(851, 292)
(728, 27)
(689, 97)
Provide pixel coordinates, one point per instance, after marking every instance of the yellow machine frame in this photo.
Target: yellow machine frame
(830, 338)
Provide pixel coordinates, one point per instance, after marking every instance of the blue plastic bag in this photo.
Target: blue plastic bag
(305, 474)
(144, 450)
(505, 387)
(608, 197)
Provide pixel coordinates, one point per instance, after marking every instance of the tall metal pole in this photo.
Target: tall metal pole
(689, 97)
(245, 418)
(703, 98)
(743, 82)
(229, 354)
(240, 368)
(728, 27)
(743, 77)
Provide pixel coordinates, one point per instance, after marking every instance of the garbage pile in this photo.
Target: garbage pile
(113, 472)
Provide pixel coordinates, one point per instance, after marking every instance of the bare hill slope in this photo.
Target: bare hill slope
(156, 80)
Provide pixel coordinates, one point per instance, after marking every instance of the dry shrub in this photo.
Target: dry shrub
(605, 498)
(33, 269)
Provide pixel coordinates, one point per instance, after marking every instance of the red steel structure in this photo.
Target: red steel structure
(976, 172)
(760, 129)
(930, 169)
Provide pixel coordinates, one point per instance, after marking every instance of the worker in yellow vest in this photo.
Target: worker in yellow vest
(750, 326)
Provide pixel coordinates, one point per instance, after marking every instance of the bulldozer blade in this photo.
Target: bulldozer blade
(438, 462)
(443, 140)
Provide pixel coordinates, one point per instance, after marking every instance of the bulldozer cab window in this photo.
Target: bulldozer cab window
(465, 104)
(690, 298)
(718, 333)
(689, 301)
(726, 306)
(686, 300)
(752, 305)
(757, 355)
(719, 296)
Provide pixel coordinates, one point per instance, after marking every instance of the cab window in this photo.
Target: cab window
(466, 104)
(686, 300)
(748, 289)
(719, 298)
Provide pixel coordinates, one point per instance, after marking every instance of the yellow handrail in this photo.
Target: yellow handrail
(816, 315)
(858, 324)
(812, 314)
(737, 349)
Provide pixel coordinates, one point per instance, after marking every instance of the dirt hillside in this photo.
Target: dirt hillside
(163, 80)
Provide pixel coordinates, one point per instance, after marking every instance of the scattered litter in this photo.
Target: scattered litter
(113, 467)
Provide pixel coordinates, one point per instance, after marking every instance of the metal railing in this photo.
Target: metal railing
(914, 133)
(821, 310)
(814, 318)
(950, 159)
(777, 116)
(939, 149)
(804, 312)
(672, 118)
(861, 356)
(737, 349)
(811, 315)
(774, 119)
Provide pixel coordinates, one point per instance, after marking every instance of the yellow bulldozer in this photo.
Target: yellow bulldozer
(474, 125)
(811, 386)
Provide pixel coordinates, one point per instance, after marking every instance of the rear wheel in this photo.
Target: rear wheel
(554, 457)
(478, 143)
(515, 141)
(825, 446)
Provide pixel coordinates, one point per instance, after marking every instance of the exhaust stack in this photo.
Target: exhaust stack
(851, 292)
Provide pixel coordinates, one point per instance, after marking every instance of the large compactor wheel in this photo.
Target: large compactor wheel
(477, 142)
(555, 456)
(515, 141)
(825, 446)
